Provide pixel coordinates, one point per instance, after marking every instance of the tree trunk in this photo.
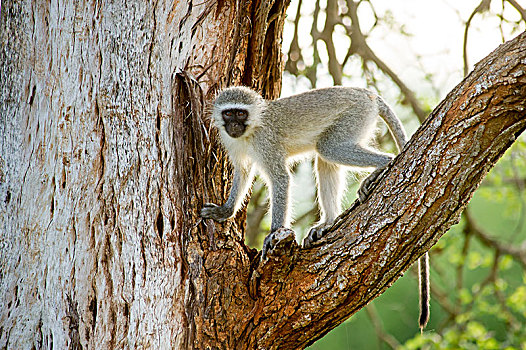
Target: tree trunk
(107, 158)
(104, 164)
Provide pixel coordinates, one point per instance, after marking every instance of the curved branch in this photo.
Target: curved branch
(382, 335)
(518, 7)
(360, 46)
(482, 7)
(305, 293)
(331, 19)
(516, 253)
(294, 52)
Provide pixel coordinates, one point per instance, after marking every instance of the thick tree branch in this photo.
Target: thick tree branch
(306, 293)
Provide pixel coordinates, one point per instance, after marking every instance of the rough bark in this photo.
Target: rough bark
(106, 160)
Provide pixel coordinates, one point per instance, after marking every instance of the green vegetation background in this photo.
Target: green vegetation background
(481, 301)
(490, 306)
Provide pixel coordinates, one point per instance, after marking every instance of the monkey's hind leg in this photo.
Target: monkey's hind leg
(331, 183)
(353, 154)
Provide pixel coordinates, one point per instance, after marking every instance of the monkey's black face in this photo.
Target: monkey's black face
(235, 121)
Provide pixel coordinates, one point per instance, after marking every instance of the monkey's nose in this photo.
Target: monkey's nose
(235, 129)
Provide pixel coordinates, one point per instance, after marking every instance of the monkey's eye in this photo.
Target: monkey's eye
(228, 114)
(241, 115)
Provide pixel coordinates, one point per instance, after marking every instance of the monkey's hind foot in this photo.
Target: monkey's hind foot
(216, 212)
(315, 234)
(276, 241)
(368, 184)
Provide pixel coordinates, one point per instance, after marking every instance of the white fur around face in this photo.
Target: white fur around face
(227, 106)
(253, 120)
(238, 148)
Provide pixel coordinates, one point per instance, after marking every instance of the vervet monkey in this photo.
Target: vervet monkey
(333, 123)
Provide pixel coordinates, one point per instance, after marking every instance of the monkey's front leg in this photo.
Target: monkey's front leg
(242, 180)
(279, 192)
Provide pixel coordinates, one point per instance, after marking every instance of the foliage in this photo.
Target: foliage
(479, 267)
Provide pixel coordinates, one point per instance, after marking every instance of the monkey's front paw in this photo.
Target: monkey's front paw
(215, 212)
(268, 244)
(276, 241)
(367, 184)
(315, 234)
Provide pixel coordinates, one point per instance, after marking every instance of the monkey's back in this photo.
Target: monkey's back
(301, 119)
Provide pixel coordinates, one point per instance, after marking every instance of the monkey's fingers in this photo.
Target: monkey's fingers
(278, 242)
(268, 244)
(315, 234)
(368, 184)
(215, 212)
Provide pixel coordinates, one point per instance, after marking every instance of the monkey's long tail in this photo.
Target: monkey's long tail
(395, 125)
(423, 273)
(397, 130)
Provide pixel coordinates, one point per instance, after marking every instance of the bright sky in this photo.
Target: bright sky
(436, 31)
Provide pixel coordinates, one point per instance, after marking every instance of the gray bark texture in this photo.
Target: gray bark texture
(106, 158)
(104, 162)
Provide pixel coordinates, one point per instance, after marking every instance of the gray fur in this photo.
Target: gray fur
(336, 124)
